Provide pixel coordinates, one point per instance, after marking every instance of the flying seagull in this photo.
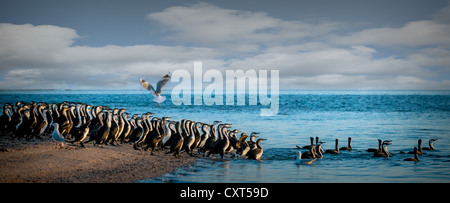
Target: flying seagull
(156, 93)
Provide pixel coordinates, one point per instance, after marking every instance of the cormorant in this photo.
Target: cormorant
(257, 152)
(349, 146)
(430, 143)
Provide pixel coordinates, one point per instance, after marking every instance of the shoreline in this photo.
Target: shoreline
(37, 161)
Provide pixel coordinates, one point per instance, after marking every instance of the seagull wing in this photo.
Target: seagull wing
(161, 83)
(61, 138)
(147, 86)
(57, 136)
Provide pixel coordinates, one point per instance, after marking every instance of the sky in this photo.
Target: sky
(315, 44)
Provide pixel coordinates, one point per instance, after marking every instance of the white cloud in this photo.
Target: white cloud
(416, 33)
(340, 68)
(22, 77)
(207, 24)
(43, 57)
(354, 60)
(23, 45)
(435, 57)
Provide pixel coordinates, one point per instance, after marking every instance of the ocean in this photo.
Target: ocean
(400, 116)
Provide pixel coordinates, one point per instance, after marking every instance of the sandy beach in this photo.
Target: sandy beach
(38, 161)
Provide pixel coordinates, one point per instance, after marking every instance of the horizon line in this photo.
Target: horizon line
(66, 89)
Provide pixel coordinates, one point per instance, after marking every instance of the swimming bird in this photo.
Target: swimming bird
(384, 152)
(419, 149)
(319, 150)
(257, 152)
(430, 143)
(299, 157)
(308, 146)
(241, 145)
(416, 158)
(298, 160)
(221, 145)
(311, 154)
(245, 149)
(156, 93)
(336, 148)
(375, 150)
(349, 147)
(252, 142)
(57, 137)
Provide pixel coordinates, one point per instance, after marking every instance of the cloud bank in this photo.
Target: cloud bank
(319, 55)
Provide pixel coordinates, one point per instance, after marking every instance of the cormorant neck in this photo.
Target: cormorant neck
(319, 152)
(420, 146)
(385, 151)
(313, 151)
(258, 145)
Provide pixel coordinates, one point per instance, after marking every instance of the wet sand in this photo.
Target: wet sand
(39, 162)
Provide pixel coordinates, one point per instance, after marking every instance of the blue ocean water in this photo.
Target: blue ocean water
(400, 116)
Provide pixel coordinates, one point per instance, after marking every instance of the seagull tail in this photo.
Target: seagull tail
(159, 99)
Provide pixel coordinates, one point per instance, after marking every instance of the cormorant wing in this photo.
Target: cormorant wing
(147, 86)
(161, 83)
